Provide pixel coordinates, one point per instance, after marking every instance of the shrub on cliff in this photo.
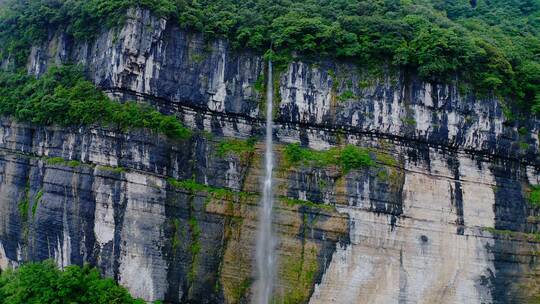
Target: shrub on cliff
(353, 157)
(347, 158)
(38, 283)
(62, 96)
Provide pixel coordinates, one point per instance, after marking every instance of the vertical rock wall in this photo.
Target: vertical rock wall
(442, 217)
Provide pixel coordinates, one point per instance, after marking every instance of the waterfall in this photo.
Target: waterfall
(265, 240)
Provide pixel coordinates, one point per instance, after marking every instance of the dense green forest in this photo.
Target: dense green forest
(39, 283)
(492, 45)
(62, 96)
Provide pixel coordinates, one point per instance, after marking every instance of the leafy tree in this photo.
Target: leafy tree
(43, 282)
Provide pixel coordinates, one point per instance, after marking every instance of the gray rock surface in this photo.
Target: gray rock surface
(443, 217)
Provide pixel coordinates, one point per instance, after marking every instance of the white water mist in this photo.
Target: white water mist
(265, 241)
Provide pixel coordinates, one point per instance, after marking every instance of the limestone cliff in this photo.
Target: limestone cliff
(443, 216)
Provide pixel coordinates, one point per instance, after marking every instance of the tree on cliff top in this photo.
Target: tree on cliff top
(38, 283)
(494, 45)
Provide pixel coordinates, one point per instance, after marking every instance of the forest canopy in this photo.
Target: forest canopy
(493, 45)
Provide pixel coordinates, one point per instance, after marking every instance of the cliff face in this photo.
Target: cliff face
(443, 217)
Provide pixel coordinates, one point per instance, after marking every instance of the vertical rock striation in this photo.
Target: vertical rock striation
(442, 217)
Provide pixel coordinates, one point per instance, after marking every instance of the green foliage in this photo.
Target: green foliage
(23, 206)
(194, 187)
(43, 282)
(62, 96)
(112, 169)
(62, 162)
(386, 159)
(259, 84)
(297, 202)
(494, 45)
(194, 246)
(348, 157)
(233, 146)
(534, 196)
(239, 290)
(355, 158)
(189, 184)
(73, 163)
(409, 121)
(55, 160)
(383, 175)
(510, 234)
(299, 272)
(295, 154)
(27, 22)
(175, 237)
(37, 200)
(347, 95)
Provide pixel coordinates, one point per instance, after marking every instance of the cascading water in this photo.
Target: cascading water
(265, 240)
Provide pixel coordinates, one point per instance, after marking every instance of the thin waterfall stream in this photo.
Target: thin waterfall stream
(265, 241)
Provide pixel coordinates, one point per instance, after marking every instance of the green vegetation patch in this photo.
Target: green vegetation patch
(24, 203)
(260, 84)
(347, 95)
(64, 97)
(240, 289)
(535, 237)
(353, 157)
(195, 234)
(492, 45)
(44, 283)
(409, 121)
(62, 162)
(189, 184)
(55, 160)
(175, 235)
(193, 187)
(347, 158)
(194, 246)
(534, 196)
(233, 146)
(299, 272)
(112, 169)
(296, 202)
(37, 200)
(215, 194)
(386, 159)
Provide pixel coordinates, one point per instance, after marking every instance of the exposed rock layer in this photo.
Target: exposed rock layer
(442, 218)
